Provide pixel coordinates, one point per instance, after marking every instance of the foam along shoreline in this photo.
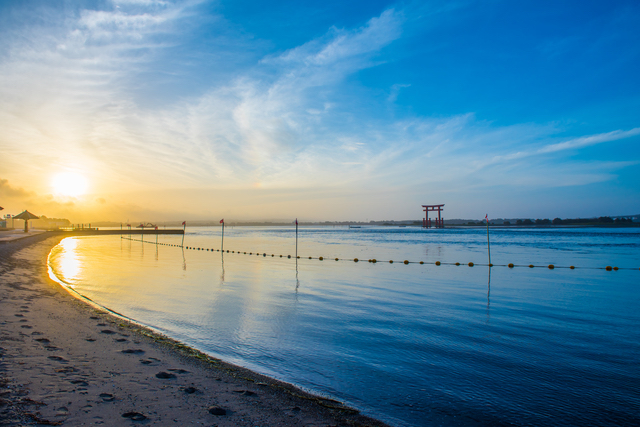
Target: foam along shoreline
(63, 361)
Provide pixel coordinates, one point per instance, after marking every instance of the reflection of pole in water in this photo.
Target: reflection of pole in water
(222, 275)
(297, 281)
(488, 296)
(156, 253)
(184, 261)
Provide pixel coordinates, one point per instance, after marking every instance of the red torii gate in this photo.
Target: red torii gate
(439, 222)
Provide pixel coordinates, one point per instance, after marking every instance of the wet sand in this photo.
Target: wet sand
(65, 362)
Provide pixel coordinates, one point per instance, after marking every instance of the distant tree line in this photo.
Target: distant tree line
(603, 220)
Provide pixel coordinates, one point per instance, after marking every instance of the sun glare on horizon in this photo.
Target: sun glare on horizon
(69, 184)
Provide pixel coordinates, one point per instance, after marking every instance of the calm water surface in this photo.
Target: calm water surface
(409, 344)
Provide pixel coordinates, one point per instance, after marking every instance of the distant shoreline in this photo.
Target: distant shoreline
(391, 224)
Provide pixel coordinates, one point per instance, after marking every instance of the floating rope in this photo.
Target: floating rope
(406, 262)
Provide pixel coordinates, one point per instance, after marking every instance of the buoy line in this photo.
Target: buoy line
(406, 262)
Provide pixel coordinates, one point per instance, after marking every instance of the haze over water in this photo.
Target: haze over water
(409, 344)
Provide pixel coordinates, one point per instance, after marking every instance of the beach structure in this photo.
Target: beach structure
(439, 222)
(26, 216)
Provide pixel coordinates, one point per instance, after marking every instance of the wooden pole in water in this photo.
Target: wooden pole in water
(296, 238)
(222, 243)
(184, 230)
(156, 235)
(488, 243)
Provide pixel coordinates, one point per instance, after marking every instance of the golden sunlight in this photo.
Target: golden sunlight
(69, 184)
(70, 266)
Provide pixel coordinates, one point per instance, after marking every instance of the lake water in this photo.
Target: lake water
(413, 345)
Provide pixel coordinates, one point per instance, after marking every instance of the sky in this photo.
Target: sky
(154, 110)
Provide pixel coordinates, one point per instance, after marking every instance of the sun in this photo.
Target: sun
(69, 184)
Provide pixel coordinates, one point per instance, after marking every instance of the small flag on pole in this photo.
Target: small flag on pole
(222, 221)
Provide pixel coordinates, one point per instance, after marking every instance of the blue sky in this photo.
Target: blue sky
(327, 110)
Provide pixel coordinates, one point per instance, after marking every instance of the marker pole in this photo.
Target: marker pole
(488, 243)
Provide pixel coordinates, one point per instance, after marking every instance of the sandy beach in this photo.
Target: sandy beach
(65, 362)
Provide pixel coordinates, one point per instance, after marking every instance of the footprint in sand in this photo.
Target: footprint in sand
(94, 318)
(165, 375)
(149, 361)
(51, 348)
(26, 327)
(43, 340)
(122, 340)
(133, 351)
(216, 410)
(19, 315)
(24, 306)
(189, 390)
(135, 416)
(62, 411)
(80, 383)
(36, 333)
(90, 339)
(58, 358)
(102, 324)
(179, 371)
(106, 397)
(107, 331)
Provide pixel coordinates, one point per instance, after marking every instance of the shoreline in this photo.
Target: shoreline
(64, 361)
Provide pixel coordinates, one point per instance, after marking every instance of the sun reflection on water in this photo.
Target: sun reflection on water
(68, 262)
